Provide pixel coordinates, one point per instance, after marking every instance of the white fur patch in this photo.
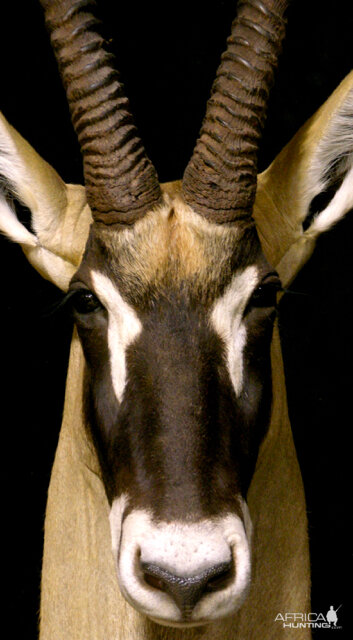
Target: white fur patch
(185, 550)
(226, 319)
(115, 521)
(341, 203)
(123, 328)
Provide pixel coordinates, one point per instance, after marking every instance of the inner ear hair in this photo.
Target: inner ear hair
(332, 181)
(332, 164)
(23, 214)
(14, 217)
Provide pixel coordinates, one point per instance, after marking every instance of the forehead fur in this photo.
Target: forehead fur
(172, 248)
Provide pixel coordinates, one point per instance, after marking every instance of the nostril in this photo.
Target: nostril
(220, 579)
(187, 591)
(153, 581)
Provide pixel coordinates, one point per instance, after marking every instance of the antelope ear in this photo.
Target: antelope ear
(60, 215)
(309, 186)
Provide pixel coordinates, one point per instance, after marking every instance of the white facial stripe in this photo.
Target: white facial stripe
(123, 328)
(226, 319)
(185, 550)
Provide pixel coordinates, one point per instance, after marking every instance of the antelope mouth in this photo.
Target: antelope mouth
(182, 574)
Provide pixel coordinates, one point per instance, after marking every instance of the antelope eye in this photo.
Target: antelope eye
(265, 295)
(84, 301)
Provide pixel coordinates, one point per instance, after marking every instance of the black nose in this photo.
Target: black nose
(186, 592)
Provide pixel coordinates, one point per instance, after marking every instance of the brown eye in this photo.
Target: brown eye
(84, 301)
(265, 295)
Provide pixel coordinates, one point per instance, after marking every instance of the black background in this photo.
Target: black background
(168, 59)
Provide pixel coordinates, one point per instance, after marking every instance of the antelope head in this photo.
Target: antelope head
(174, 303)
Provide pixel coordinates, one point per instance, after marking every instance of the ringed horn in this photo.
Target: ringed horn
(121, 182)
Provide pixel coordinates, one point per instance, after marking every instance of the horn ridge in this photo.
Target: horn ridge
(220, 179)
(101, 115)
